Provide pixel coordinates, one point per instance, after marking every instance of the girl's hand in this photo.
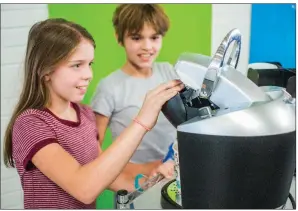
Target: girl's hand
(166, 169)
(154, 101)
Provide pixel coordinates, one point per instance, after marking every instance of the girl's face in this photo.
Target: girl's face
(69, 81)
(142, 48)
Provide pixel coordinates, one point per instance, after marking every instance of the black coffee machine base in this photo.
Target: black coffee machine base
(168, 198)
(168, 191)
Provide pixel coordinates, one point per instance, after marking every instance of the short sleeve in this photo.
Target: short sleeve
(30, 134)
(102, 100)
(172, 73)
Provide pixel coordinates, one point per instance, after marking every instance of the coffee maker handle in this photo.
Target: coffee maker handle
(214, 68)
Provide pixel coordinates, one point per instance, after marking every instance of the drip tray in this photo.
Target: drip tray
(169, 197)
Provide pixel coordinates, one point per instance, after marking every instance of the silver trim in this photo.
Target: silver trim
(268, 118)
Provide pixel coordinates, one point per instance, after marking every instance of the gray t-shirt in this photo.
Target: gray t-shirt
(120, 97)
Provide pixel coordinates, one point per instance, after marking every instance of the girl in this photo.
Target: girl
(51, 139)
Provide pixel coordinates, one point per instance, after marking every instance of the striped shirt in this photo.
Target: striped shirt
(33, 130)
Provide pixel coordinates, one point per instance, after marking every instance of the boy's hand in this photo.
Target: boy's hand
(166, 169)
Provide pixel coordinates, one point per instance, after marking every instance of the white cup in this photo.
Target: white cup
(176, 168)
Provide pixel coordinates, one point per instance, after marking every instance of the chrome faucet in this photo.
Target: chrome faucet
(215, 66)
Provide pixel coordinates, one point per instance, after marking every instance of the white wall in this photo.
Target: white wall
(225, 17)
(16, 20)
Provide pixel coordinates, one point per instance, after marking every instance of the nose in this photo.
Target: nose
(146, 44)
(87, 73)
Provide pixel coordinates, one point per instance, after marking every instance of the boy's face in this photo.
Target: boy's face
(142, 48)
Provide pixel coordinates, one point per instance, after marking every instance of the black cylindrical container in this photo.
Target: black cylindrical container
(224, 172)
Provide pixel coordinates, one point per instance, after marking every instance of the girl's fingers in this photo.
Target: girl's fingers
(163, 87)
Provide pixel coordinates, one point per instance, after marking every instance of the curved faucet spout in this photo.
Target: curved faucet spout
(233, 35)
(214, 68)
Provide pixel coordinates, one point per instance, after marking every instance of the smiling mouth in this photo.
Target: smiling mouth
(81, 87)
(145, 56)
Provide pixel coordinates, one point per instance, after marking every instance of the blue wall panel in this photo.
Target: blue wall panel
(273, 34)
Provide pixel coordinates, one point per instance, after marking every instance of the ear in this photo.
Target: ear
(116, 37)
(47, 77)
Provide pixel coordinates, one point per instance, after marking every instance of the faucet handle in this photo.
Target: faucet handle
(122, 200)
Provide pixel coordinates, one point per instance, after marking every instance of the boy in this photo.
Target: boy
(139, 29)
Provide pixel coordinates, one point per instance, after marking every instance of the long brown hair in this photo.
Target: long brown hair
(50, 42)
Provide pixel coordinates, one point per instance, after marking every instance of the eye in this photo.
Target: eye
(155, 37)
(91, 63)
(136, 38)
(76, 66)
